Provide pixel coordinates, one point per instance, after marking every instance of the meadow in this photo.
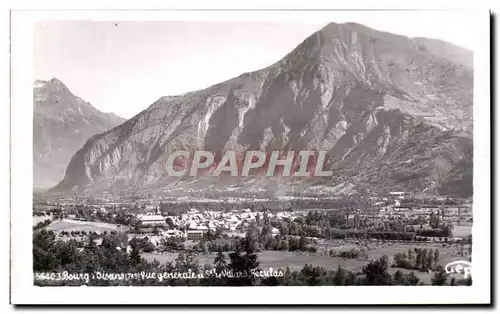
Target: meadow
(87, 226)
(462, 230)
(297, 260)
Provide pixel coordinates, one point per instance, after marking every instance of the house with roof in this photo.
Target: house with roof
(151, 219)
(194, 235)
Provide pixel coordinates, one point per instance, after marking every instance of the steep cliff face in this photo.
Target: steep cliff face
(62, 123)
(390, 114)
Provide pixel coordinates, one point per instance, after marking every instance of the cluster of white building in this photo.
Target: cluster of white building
(203, 221)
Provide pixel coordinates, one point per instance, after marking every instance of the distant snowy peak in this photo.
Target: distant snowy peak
(54, 99)
(62, 123)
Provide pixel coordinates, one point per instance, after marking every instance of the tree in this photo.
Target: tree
(356, 220)
(434, 221)
(468, 281)
(412, 279)
(266, 219)
(312, 275)
(218, 233)
(302, 242)
(436, 256)
(398, 277)
(350, 279)
(428, 260)
(172, 244)
(203, 247)
(418, 258)
(186, 261)
(423, 259)
(376, 272)
(287, 278)
(252, 237)
(134, 256)
(440, 277)
(448, 230)
(271, 243)
(243, 261)
(43, 259)
(270, 281)
(92, 238)
(170, 223)
(340, 276)
(209, 235)
(149, 247)
(220, 263)
(265, 233)
(411, 258)
(284, 245)
(115, 240)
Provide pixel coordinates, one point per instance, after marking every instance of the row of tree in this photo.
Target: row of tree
(336, 225)
(418, 258)
(42, 224)
(444, 232)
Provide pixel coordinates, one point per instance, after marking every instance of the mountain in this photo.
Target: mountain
(391, 115)
(62, 123)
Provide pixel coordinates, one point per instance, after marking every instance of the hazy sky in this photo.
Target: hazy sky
(123, 67)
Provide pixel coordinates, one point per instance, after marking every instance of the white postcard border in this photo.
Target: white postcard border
(23, 291)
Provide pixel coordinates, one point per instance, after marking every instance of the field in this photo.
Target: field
(462, 231)
(87, 226)
(274, 259)
(296, 260)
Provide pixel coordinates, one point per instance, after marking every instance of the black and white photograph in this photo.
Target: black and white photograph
(186, 150)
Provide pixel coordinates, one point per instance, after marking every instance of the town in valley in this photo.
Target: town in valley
(300, 236)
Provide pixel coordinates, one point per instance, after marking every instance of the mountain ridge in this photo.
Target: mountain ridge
(348, 89)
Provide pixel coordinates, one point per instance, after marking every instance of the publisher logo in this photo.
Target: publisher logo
(459, 267)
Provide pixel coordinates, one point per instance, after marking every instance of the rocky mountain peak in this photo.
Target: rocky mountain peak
(53, 85)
